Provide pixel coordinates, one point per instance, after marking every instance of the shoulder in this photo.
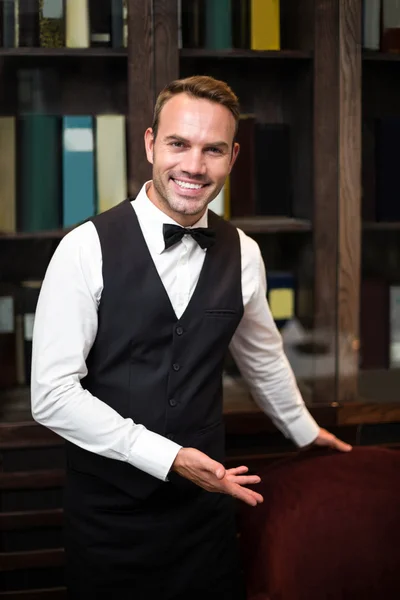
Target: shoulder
(83, 240)
(77, 261)
(249, 248)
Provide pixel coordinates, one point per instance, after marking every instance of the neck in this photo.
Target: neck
(181, 219)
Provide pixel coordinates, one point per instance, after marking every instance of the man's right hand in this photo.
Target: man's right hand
(213, 477)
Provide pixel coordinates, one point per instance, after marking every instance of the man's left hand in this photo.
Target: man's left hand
(329, 440)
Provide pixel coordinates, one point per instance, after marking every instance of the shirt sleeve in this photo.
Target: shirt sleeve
(257, 349)
(65, 328)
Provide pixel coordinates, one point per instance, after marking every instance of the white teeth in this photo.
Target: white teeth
(189, 186)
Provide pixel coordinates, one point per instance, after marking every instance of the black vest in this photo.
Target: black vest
(160, 371)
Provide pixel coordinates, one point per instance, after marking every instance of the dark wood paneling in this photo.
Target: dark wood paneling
(32, 519)
(12, 561)
(45, 594)
(30, 480)
(349, 199)
(166, 55)
(27, 435)
(140, 90)
(326, 178)
(337, 189)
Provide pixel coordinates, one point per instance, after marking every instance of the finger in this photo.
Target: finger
(246, 479)
(249, 497)
(241, 493)
(339, 445)
(237, 470)
(214, 467)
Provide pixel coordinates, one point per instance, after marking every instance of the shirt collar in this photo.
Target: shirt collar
(151, 219)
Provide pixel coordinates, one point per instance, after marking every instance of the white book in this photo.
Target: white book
(77, 24)
(111, 161)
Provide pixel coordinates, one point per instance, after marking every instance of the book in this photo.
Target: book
(78, 169)
(52, 23)
(77, 24)
(7, 174)
(38, 202)
(111, 161)
(218, 24)
(265, 24)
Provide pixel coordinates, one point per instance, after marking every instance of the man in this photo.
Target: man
(137, 310)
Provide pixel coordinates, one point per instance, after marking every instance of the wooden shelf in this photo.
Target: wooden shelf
(55, 234)
(245, 54)
(35, 53)
(247, 224)
(380, 56)
(381, 226)
(271, 224)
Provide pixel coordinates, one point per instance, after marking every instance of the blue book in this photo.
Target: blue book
(79, 193)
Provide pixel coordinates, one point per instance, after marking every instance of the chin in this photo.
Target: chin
(185, 206)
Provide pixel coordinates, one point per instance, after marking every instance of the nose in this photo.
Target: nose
(193, 162)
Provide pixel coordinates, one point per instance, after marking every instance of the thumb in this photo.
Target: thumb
(216, 469)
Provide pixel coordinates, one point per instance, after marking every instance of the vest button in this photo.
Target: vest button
(176, 367)
(171, 437)
(179, 330)
(172, 402)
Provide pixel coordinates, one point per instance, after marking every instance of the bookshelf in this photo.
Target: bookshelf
(323, 84)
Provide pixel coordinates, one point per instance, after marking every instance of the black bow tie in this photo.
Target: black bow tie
(173, 234)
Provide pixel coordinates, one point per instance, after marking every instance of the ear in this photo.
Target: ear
(149, 144)
(235, 153)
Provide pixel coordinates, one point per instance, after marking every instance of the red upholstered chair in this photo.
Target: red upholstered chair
(329, 528)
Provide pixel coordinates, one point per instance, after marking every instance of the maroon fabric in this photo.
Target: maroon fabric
(329, 528)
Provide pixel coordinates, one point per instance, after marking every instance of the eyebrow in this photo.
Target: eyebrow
(178, 138)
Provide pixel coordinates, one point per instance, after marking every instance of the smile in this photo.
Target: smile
(189, 186)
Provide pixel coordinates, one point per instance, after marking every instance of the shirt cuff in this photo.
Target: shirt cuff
(153, 454)
(303, 430)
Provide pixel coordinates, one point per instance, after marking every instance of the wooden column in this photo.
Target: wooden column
(337, 191)
(152, 63)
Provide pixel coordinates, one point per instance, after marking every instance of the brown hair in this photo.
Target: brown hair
(198, 86)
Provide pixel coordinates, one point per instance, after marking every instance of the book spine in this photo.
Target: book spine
(7, 174)
(218, 24)
(371, 24)
(100, 23)
(111, 167)
(265, 24)
(77, 24)
(117, 23)
(9, 24)
(241, 24)
(79, 191)
(38, 161)
(52, 24)
(29, 23)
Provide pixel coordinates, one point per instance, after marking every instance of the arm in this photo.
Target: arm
(257, 349)
(64, 330)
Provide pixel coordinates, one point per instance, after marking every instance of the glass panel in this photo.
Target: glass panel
(379, 379)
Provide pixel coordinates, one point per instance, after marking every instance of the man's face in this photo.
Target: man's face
(191, 156)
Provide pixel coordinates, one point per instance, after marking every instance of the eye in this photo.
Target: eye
(177, 144)
(215, 150)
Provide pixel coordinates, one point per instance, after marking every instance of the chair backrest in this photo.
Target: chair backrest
(329, 527)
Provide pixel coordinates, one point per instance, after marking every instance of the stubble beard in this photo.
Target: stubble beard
(178, 205)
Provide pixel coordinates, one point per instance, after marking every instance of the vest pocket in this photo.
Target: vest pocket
(208, 429)
(221, 312)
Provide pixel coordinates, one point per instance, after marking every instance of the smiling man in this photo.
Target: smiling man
(136, 313)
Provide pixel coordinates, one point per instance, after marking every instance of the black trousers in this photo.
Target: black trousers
(179, 544)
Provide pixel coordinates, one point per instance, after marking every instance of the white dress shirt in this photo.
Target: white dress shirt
(66, 324)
